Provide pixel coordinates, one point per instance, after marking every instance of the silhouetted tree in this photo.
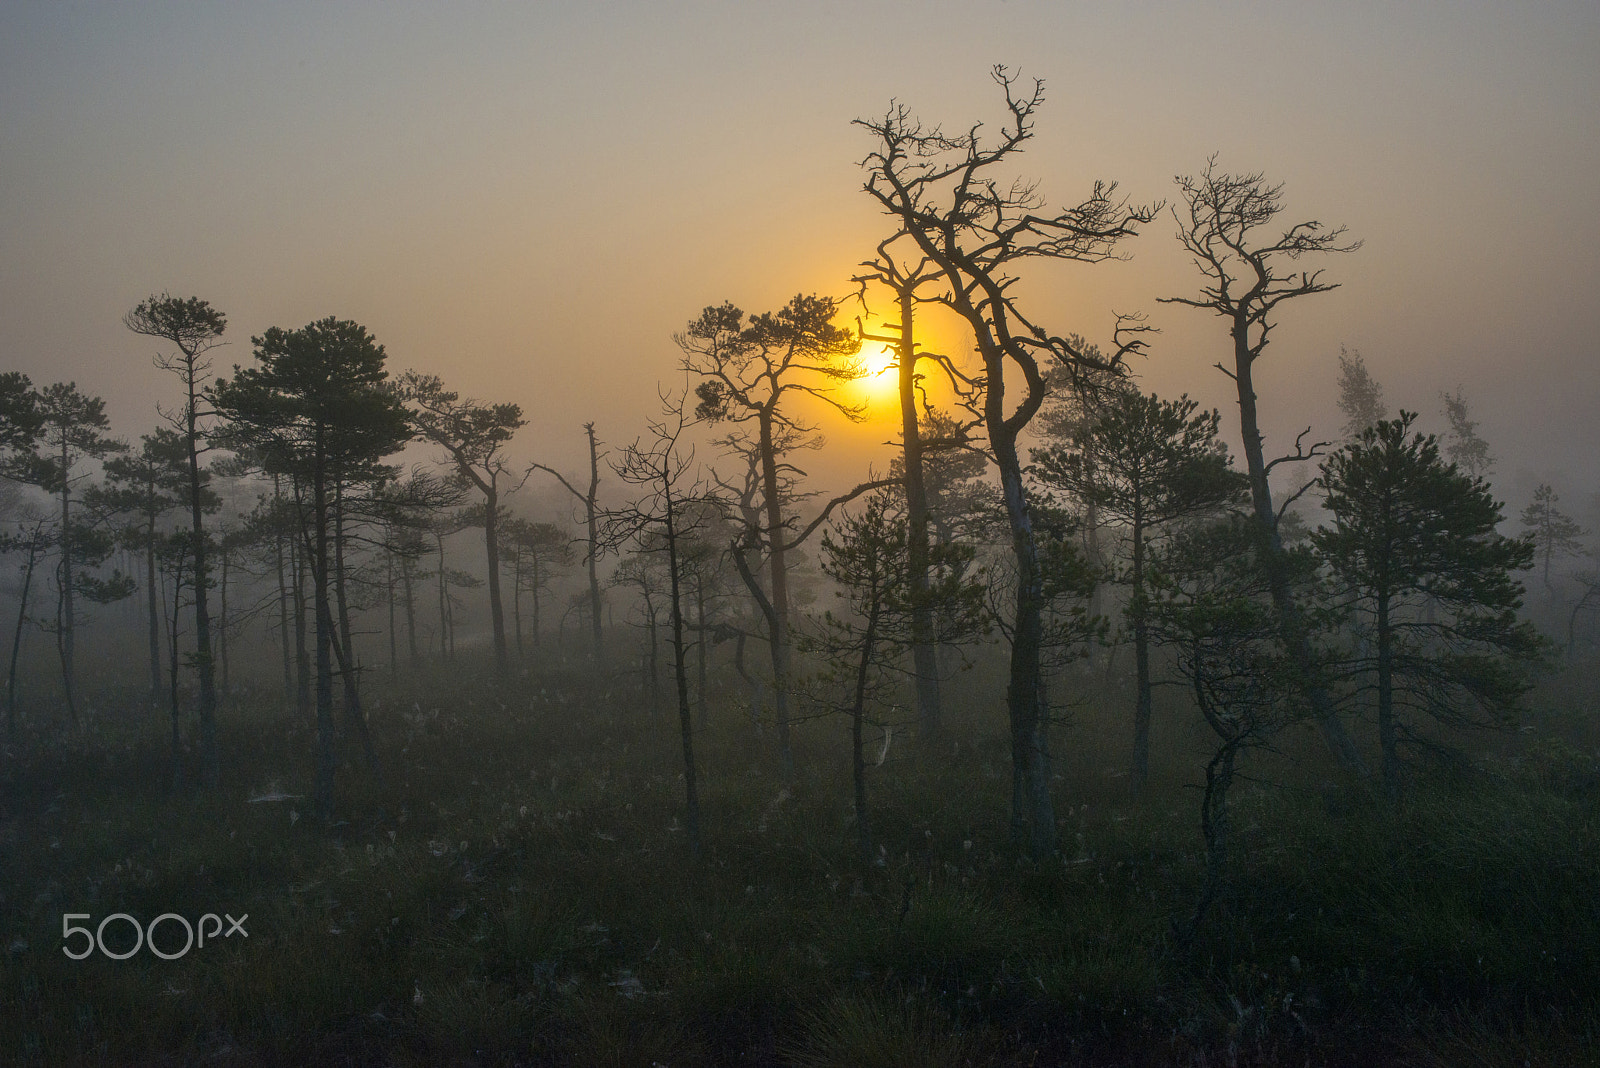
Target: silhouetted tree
(1406, 526)
(591, 509)
(1145, 463)
(317, 408)
(194, 328)
(1464, 446)
(1553, 532)
(1360, 395)
(536, 550)
(1221, 225)
(33, 540)
(148, 485)
(904, 280)
(72, 429)
(747, 370)
(1211, 604)
(20, 421)
(474, 436)
(869, 556)
(975, 228)
(659, 521)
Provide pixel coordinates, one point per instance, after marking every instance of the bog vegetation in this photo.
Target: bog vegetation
(1070, 739)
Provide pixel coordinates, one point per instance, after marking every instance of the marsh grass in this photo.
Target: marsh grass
(513, 888)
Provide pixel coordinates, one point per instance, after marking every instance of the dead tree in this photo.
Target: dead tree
(591, 510)
(1246, 278)
(976, 228)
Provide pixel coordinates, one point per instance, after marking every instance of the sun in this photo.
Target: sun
(879, 384)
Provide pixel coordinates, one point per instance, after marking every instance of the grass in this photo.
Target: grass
(514, 889)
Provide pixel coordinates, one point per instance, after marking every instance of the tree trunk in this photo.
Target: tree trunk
(154, 614)
(1292, 625)
(1033, 812)
(778, 618)
(534, 590)
(210, 767)
(497, 615)
(516, 599)
(411, 610)
(327, 762)
(590, 505)
(64, 620)
(700, 647)
(1141, 656)
(16, 639)
(924, 655)
(1386, 726)
(858, 763)
(283, 596)
(172, 675)
(222, 615)
(681, 676)
(302, 654)
(389, 583)
(349, 673)
(444, 603)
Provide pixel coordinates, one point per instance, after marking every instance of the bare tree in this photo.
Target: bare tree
(659, 521)
(976, 229)
(591, 509)
(1220, 225)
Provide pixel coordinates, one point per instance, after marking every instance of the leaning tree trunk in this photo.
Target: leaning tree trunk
(1290, 621)
(1033, 819)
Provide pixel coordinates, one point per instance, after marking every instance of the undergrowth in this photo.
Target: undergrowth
(511, 886)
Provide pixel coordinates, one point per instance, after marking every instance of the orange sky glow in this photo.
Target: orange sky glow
(529, 200)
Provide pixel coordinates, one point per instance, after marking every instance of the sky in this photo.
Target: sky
(529, 199)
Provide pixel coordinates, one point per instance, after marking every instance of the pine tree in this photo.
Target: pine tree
(1554, 532)
(1465, 447)
(1410, 527)
(1360, 395)
(1144, 463)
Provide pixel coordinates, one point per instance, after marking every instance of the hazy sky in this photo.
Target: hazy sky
(528, 199)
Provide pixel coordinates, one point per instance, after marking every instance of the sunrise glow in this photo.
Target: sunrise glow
(879, 384)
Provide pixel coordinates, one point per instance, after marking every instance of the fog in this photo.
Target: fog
(475, 805)
(530, 203)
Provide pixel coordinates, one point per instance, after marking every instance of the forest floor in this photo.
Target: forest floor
(512, 886)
